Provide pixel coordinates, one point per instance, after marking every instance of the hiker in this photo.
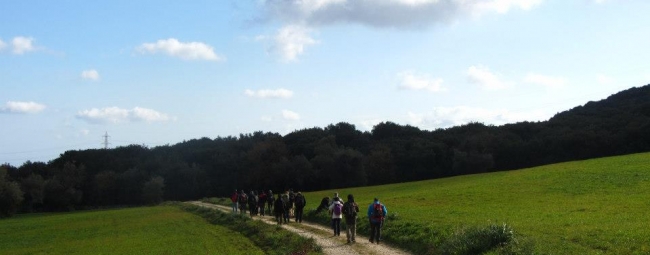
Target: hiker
(261, 201)
(336, 210)
(278, 210)
(252, 203)
(350, 211)
(324, 204)
(376, 214)
(234, 198)
(270, 200)
(243, 200)
(300, 201)
(285, 202)
(292, 200)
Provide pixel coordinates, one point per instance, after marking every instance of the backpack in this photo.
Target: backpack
(243, 199)
(300, 201)
(377, 211)
(349, 211)
(337, 209)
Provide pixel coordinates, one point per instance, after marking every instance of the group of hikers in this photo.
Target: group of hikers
(292, 204)
(286, 205)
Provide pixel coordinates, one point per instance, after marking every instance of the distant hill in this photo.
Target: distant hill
(339, 155)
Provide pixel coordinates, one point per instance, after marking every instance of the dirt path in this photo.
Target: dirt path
(323, 236)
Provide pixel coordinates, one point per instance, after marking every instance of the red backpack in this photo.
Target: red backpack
(377, 211)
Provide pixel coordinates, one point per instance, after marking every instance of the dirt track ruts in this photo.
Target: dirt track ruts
(323, 236)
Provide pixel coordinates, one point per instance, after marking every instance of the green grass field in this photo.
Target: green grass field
(144, 230)
(598, 206)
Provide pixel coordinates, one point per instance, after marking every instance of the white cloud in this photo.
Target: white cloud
(91, 74)
(485, 78)
(290, 42)
(22, 45)
(22, 107)
(444, 117)
(412, 81)
(544, 80)
(118, 115)
(290, 115)
(185, 51)
(268, 93)
(2, 45)
(386, 13)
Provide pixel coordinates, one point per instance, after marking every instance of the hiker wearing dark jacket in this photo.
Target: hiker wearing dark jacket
(278, 210)
(376, 213)
(252, 203)
(300, 202)
(350, 211)
(270, 200)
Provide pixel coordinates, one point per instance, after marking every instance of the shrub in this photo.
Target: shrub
(495, 239)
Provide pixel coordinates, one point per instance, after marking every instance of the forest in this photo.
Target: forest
(317, 158)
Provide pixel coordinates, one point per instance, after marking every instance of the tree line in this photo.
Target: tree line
(316, 158)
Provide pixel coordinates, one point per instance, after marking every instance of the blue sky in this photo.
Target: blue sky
(156, 73)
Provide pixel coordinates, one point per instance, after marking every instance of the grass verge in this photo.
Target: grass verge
(272, 239)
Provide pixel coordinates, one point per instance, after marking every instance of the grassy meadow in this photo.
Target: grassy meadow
(597, 206)
(143, 230)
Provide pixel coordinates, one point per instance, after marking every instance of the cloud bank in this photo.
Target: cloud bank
(22, 107)
(385, 13)
(444, 117)
(182, 50)
(116, 115)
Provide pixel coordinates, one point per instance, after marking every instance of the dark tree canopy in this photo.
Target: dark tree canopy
(336, 156)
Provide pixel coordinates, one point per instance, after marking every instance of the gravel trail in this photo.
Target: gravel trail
(324, 236)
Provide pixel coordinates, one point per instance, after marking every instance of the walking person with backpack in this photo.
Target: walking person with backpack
(278, 210)
(285, 202)
(261, 201)
(336, 210)
(376, 213)
(270, 200)
(350, 211)
(252, 203)
(243, 200)
(300, 201)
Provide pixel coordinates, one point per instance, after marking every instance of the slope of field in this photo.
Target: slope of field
(595, 206)
(144, 230)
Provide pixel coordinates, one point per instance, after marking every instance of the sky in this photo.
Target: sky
(154, 73)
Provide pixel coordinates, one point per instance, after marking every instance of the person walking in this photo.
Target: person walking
(235, 199)
(278, 210)
(300, 202)
(376, 214)
(350, 211)
(270, 200)
(252, 203)
(285, 201)
(261, 201)
(243, 201)
(336, 210)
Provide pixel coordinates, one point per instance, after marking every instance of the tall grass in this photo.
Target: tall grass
(595, 206)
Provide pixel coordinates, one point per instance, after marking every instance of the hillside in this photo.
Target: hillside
(596, 206)
(315, 158)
